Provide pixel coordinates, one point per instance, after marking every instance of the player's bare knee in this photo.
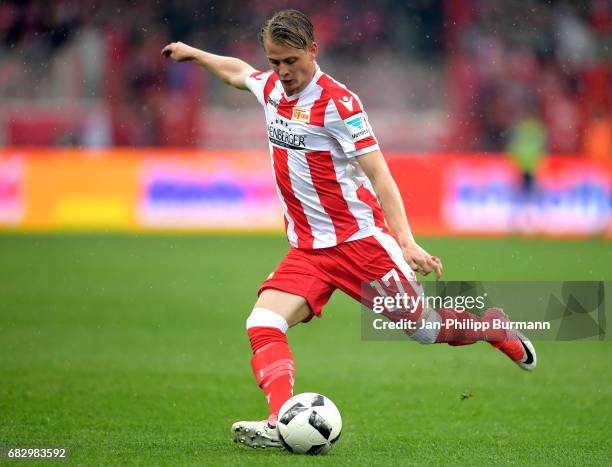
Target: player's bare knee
(292, 308)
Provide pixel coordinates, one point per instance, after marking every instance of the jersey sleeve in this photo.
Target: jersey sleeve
(261, 83)
(348, 124)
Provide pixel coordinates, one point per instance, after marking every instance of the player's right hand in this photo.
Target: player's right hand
(420, 261)
(178, 51)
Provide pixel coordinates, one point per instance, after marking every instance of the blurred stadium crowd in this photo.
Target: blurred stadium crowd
(435, 75)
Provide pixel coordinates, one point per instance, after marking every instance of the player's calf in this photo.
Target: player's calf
(462, 328)
(272, 361)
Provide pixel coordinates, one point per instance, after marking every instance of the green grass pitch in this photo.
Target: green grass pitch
(132, 350)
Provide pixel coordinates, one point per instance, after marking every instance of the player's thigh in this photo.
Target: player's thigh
(293, 308)
(373, 267)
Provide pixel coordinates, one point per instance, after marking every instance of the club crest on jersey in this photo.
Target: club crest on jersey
(357, 127)
(300, 114)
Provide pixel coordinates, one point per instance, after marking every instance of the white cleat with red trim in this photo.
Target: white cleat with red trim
(256, 434)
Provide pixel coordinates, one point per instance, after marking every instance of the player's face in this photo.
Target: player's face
(294, 67)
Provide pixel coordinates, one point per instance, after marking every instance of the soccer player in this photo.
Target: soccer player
(344, 215)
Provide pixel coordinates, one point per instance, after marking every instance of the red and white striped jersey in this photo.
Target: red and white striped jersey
(314, 137)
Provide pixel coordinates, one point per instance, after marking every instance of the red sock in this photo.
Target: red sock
(272, 365)
(453, 334)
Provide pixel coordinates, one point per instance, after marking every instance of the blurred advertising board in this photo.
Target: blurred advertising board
(486, 195)
(233, 191)
(139, 190)
(568, 196)
(12, 191)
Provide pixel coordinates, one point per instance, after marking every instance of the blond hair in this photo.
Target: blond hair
(288, 27)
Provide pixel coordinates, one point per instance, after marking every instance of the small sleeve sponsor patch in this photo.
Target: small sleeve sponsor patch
(357, 127)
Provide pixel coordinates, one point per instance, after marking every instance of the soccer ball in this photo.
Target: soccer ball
(309, 423)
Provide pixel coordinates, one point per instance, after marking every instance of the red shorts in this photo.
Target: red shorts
(315, 274)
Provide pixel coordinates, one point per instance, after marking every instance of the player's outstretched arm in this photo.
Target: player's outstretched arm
(375, 167)
(230, 70)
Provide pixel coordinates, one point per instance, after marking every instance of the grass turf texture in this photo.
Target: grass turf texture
(132, 350)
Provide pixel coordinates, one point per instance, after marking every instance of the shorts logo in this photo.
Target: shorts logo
(357, 127)
(301, 114)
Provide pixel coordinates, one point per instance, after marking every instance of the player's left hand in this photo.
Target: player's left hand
(178, 51)
(420, 261)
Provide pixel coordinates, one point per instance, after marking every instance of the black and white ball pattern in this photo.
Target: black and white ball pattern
(309, 423)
